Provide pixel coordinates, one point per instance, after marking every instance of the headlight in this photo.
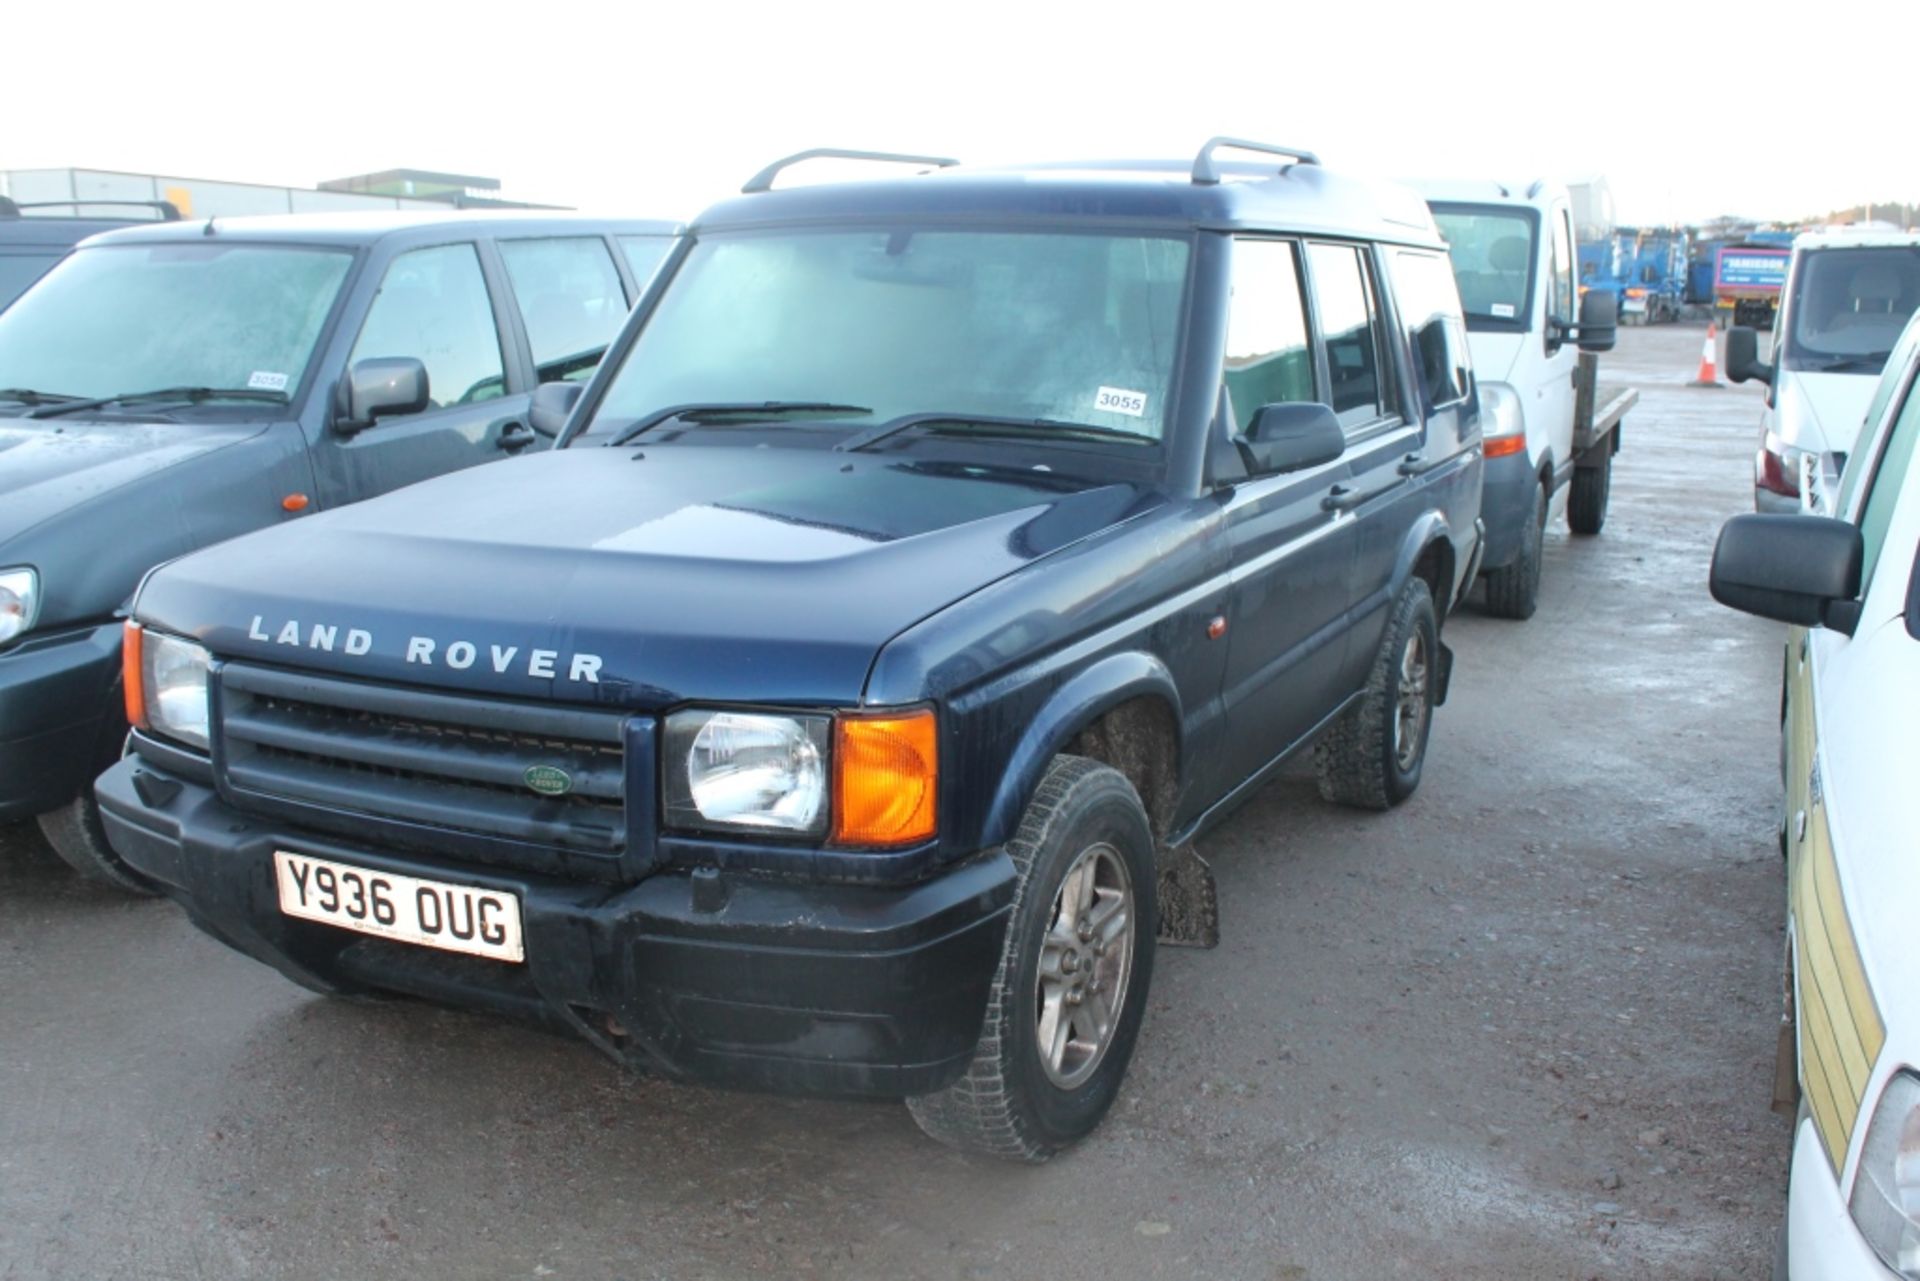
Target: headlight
(19, 598)
(747, 772)
(1886, 1188)
(1501, 420)
(173, 686)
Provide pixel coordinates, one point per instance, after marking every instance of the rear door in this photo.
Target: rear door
(1292, 556)
(437, 305)
(570, 299)
(1368, 393)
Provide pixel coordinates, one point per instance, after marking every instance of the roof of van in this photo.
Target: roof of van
(355, 229)
(1159, 193)
(1848, 238)
(1532, 192)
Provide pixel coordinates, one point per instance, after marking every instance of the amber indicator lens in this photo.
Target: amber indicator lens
(130, 676)
(886, 776)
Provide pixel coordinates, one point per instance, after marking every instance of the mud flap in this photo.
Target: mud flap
(1786, 1075)
(1189, 901)
(1442, 675)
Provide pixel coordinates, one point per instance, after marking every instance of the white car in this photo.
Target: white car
(1848, 296)
(1850, 584)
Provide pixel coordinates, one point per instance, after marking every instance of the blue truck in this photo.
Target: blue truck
(1656, 282)
(833, 709)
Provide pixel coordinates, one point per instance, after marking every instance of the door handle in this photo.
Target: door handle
(1415, 465)
(1342, 499)
(516, 436)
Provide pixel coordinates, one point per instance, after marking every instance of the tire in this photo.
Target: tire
(1587, 501)
(1372, 756)
(1013, 1102)
(1513, 591)
(75, 832)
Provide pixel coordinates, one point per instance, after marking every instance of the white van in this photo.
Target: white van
(1850, 586)
(1549, 446)
(1848, 296)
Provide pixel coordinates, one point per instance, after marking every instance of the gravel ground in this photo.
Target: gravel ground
(1520, 1027)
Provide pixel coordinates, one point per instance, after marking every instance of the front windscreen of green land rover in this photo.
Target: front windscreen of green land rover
(1064, 330)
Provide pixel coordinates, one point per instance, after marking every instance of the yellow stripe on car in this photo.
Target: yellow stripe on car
(1841, 1030)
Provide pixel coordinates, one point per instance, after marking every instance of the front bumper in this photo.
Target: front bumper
(726, 978)
(59, 717)
(1822, 1243)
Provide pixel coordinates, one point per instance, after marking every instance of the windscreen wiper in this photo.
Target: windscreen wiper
(28, 396)
(192, 394)
(988, 425)
(728, 412)
(1856, 364)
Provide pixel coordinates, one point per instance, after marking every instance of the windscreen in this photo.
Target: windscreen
(1074, 328)
(1492, 253)
(1850, 305)
(128, 318)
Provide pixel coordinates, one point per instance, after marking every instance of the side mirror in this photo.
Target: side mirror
(1599, 321)
(1743, 357)
(379, 387)
(1794, 568)
(552, 405)
(1289, 437)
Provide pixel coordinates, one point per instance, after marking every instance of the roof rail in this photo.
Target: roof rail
(167, 210)
(1206, 174)
(763, 181)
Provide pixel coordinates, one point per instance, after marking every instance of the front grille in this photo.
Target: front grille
(345, 752)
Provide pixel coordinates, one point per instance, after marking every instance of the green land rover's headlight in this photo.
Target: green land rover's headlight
(747, 772)
(19, 602)
(174, 673)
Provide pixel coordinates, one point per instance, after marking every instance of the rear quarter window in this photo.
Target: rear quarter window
(1430, 312)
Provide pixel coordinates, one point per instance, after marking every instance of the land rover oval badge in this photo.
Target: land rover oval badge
(548, 780)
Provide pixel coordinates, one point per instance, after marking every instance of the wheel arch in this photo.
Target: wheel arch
(1123, 711)
(1427, 552)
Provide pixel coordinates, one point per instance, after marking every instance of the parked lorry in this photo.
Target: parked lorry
(1656, 285)
(931, 559)
(1747, 279)
(172, 385)
(1551, 428)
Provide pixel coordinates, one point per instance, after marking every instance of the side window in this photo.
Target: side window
(1349, 322)
(433, 305)
(644, 256)
(1430, 309)
(1561, 304)
(569, 295)
(1854, 468)
(1889, 479)
(1268, 359)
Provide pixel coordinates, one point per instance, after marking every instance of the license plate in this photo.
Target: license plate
(453, 918)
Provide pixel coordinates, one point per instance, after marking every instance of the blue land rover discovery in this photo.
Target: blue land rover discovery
(928, 562)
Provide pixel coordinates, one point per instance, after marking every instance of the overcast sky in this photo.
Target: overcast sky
(657, 111)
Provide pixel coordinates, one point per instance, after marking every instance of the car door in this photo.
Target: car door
(570, 300)
(1367, 394)
(1292, 556)
(1550, 397)
(437, 305)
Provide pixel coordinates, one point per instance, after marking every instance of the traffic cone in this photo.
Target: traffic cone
(1707, 377)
